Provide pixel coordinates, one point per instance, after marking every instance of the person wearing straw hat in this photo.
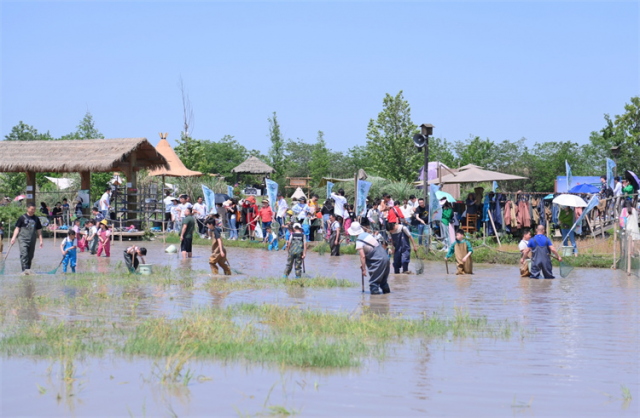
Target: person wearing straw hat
(374, 258)
(297, 246)
(104, 236)
(27, 228)
(541, 247)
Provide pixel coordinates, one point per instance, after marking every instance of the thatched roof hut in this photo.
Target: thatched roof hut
(87, 155)
(176, 167)
(252, 165)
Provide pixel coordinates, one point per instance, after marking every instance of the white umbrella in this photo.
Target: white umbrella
(570, 200)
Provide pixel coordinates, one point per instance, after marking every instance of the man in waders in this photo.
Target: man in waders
(27, 228)
(462, 249)
(401, 236)
(541, 247)
(218, 254)
(373, 257)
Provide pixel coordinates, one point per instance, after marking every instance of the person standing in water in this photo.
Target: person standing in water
(524, 244)
(374, 258)
(218, 253)
(28, 228)
(541, 247)
(462, 250)
(401, 236)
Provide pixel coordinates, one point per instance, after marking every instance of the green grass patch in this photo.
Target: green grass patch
(174, 238)
(224, 284)
(262, 333)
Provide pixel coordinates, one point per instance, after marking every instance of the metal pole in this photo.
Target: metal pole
(615, 239)
(425, 181)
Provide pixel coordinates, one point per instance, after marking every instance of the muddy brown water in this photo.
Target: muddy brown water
(585, 347)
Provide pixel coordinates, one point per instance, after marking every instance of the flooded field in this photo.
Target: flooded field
(490, 344)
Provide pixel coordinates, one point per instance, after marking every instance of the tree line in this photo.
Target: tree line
(388, 151)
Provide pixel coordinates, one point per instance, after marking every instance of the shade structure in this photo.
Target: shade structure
(468, 166)
(361, 176)
(570, 200)
(584, 188)
(253, 165)
(477, 175)
(298, 194)
(176, 167)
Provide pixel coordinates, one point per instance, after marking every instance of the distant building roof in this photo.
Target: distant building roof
(252, 165)
(176, 167)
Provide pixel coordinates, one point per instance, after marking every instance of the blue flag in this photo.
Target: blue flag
(610, 165)
(209, 199)
(329, 187)
(272, 192)
(592, 204)
(230, 191)
(363, 191)
(435, 210)
(495, 186)
(569, 176)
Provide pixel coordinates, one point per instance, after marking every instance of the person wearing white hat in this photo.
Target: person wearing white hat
(374, 258)
(297, 251)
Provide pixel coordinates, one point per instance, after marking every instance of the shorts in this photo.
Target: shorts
(185, 245)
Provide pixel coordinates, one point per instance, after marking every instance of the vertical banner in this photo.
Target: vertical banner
(569, 176)
(435, 210)
(210, 199)
(272, 193)
(495, 186)
(230, 191)
(329, 187)
(592, 204)
(363, 191)
(610, 165)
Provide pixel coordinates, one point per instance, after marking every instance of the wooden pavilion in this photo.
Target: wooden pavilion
(253, 165)
(127, 155)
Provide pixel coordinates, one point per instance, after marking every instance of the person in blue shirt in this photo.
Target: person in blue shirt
(541, 247)
(68, 248)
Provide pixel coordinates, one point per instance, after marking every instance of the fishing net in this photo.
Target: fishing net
(419, 266)
(629, 261)
(565, 269)
(323, 248)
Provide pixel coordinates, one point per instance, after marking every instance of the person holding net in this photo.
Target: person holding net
(541, 248)
(461, 247)
(373, 258)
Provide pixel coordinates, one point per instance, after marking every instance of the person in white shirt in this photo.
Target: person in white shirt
(413, 202)
(280, 214)
(617, 194)
(524, 244)
(200, 213)
(175, 215)
(407, 210)
(302, 210)
(105, 203)
(168, 204)
(338, 206)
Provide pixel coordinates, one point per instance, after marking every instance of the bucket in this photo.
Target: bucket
(567, 251)
(145, 269)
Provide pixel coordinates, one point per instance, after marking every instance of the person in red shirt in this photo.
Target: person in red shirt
(266, 215)
(253, 216)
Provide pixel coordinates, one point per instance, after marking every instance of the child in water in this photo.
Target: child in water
(131, 255)
(272, 239)
(68, 248)
(462, 250)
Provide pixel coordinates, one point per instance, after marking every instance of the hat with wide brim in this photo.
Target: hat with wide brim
(355, 229)
(104, 222)
(297, 226)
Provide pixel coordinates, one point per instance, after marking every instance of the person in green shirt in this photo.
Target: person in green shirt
(186, 236)
(447, 222)
(627, 189)
(566, 218)
(462, 249)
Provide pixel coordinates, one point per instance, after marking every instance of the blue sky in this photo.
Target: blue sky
(547, 71)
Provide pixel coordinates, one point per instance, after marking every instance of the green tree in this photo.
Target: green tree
(441, 150)
(548, 161)
(320, 162)
(298, 157)
(475, 151)
(390, 147)
(277, 151)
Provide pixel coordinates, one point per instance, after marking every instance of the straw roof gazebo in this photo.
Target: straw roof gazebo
(253, 165)
(85, 156)
(176, 167)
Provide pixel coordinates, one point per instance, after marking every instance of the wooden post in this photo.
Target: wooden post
(494, 227)
(31, 184)
(85, 184)
(615, 240)
(163, 212)
(629, 253)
